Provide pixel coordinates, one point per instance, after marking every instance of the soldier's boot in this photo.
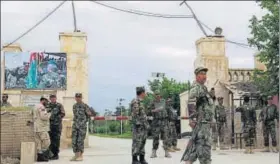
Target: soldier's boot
(214, 146)
(74, 158)
(142, 159)
(167, 154)
(266, 149)
(275, 149)
(135, 160)
(79, 157)
(247, 150)
(42, 158)
(154, 153)
(170, 149)
(176, 149)
(251, 150)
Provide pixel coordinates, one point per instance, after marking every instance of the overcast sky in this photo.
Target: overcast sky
(123, 48)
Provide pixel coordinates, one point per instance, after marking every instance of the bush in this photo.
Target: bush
(114, 126)
(101, 129)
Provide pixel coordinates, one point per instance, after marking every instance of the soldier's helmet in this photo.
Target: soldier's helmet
(200, 69)
(78, 95)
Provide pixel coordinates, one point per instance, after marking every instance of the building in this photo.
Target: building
(229, 83)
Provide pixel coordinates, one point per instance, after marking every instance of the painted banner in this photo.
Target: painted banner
(35, 70)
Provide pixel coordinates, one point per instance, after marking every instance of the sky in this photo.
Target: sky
(125, 49)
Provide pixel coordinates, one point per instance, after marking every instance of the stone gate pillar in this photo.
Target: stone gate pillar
(74, 44)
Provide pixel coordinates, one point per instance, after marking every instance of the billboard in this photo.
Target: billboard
(35, 70)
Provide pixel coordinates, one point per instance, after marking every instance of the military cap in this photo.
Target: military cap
(220, 98)
(140, 89)
(199, 69)
(52, 95)
(269, 97)
(78, 95)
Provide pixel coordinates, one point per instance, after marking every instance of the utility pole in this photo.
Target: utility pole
(106, 114)
(120, 106)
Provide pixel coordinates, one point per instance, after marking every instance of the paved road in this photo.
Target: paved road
(117, 151)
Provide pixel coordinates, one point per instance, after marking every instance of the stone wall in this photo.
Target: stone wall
(14, 130)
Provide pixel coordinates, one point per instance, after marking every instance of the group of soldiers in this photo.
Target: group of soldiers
(163, 118)
(47, 125)
(47, 122)
(205, 120)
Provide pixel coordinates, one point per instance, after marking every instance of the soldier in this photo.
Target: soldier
(267, 117)
(201, 103)
(140, 127)
(173, 117)
(41, 120)
(248, 118)
(4, 102)
(82, 114)
(57, 114)
(221, 122)
(160, 124)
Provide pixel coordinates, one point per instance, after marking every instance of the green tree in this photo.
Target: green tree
(168, 88)
(265, 36)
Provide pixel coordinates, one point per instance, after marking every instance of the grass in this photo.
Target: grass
(112, 135)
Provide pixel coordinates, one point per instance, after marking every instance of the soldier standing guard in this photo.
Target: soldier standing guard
(4, 102)
(140, 127)
(173, 117)
(201, 103)
(248, 118)
(160, 124)
(267, 117)
(221, 122)
(82, 114)
(41, 120)
(57, 113)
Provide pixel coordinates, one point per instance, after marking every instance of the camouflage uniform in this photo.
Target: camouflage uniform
(268, 116)
(248, 118)
(221, 122)
(201, 103)
(173, 117)
(57, 113)
(140, 128)
(41, 127)
(160, 125)
(81, 113)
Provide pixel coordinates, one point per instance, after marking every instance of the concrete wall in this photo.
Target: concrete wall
(184, 112)
(211, 54)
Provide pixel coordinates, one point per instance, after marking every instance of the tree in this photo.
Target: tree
(121, 110)
(168, 88)
(265, 36)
